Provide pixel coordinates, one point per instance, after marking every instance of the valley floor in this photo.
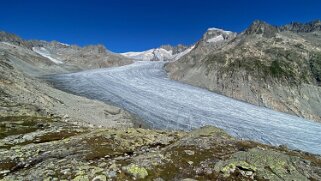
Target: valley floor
(143, 88)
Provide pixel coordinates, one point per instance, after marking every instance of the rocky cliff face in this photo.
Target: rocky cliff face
(276, 67)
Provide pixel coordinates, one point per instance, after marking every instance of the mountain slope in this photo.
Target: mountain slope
(88, 57)
(22, 94)
(276, 67)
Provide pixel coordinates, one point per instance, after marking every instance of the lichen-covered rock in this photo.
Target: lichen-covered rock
(247, 169)
(100, 178)
(136, 171)
(81, 178)
(264, 164)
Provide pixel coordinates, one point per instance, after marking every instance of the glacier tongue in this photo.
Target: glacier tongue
(144, 89)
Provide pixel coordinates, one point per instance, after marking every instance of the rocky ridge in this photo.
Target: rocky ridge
(14, 39)
(79, 58)
(67, 57)
(302, 27)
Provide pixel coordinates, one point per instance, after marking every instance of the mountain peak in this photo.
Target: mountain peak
(217, 35)
(263, 28)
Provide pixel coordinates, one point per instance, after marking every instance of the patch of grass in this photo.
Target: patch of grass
(54, 136)
(178, 166)
(101, 146)
(315, 66)
(276, 69)
(6, 165)
(20, 125)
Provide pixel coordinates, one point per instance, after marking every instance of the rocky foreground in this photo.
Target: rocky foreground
(48, 148)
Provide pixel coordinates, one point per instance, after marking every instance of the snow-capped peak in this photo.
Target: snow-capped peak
(144, 55)
(156, 54)
(215, 35)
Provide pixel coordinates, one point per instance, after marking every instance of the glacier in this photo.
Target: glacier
(144, 89)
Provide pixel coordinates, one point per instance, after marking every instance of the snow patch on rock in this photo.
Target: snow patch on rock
(215, 39)
(218, 29)
(45, 53)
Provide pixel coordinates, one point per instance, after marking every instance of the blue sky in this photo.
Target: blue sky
(136, 25)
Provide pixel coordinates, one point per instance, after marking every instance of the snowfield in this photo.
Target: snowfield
(144, 89)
